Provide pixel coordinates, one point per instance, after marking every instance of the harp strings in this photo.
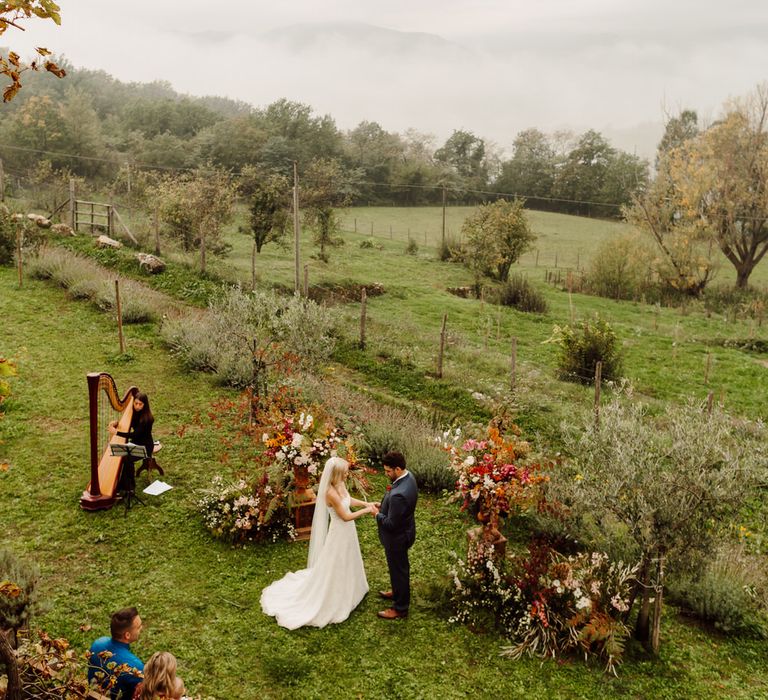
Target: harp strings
(107, 411)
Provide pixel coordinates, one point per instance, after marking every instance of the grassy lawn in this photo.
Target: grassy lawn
(199, 597)
(665, 349)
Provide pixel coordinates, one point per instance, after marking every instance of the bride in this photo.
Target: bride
(334, 582)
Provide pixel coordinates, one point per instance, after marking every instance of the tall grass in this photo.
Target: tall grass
(86, 280)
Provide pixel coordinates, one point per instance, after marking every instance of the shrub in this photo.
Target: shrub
(50, 669)
(16, 610)
(451, 250)
(735, 302)
(244, 333)
(731, 593)
(84, 279)
(7, 236)
(620, 269)
(429, 463)
(135, 300)
(412, 248)
(385, 429)
(583, 346)
(518, 292)
(367, 243)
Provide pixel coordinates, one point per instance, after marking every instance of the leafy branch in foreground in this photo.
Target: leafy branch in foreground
(11, 13)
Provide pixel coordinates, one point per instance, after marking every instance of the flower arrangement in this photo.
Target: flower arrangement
(297, 448)
(572, 603)
(298, 441)
(494, 476)
(244, 511)
(547, 604)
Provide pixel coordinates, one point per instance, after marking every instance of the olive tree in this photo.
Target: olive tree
(667, 483)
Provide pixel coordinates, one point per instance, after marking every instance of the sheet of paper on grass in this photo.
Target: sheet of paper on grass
(157, 487)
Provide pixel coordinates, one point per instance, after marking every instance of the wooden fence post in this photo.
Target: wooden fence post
(296, 229)
(119, 317)
(355, 224)
(707, 367)
(598, 382)
(363, 305)
(513, 366)
(203, 249)
(19, 259)
(537, 257)
(306, 281)
(72, 205)
(442, 239)
(156, 227)
(442, 348)
(2, 182)
(710, 402)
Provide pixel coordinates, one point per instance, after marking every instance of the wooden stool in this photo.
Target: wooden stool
(151, 463)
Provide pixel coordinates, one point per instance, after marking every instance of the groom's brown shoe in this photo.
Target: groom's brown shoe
(387, 595)
(392, 614)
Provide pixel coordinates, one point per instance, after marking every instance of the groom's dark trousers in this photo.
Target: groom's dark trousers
(397, 533)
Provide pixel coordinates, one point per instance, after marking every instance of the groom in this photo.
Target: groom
(397, 532)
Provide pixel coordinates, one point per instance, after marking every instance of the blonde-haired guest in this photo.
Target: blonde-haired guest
(160, 679)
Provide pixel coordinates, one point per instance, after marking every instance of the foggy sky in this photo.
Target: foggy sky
(494, 67)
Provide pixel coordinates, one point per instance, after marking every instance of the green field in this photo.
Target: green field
(199, 597)
(564, 241)
(666, 349)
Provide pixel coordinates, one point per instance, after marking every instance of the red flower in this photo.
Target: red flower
(389, 487)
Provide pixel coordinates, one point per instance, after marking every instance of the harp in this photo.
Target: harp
(105, 405)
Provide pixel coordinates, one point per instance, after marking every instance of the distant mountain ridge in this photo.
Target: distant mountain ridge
(306, 37)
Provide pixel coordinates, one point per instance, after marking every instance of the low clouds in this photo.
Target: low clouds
(492, 67)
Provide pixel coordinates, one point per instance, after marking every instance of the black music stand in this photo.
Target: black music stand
(126, 484)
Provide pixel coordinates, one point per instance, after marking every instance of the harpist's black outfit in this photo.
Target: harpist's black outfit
(140, 433)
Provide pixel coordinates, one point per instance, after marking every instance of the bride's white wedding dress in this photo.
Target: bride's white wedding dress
(327, 591)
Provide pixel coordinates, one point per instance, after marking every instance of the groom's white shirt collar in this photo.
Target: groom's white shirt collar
(402, 476)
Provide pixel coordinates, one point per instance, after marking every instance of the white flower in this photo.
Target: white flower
(469, 461)
(618, 602)
(583, 603)
(297, 438)
(264, 437)
(279, 456)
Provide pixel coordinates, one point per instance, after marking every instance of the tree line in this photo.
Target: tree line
(110, 125)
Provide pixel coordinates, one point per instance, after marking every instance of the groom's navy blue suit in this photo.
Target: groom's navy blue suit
(397, 532)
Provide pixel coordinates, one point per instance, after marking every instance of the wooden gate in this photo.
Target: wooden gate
(99, 217)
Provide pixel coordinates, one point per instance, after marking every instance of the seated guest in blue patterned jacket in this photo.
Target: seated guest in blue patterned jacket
(112, 666)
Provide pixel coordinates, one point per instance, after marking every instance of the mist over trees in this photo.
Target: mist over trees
(110, 126)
